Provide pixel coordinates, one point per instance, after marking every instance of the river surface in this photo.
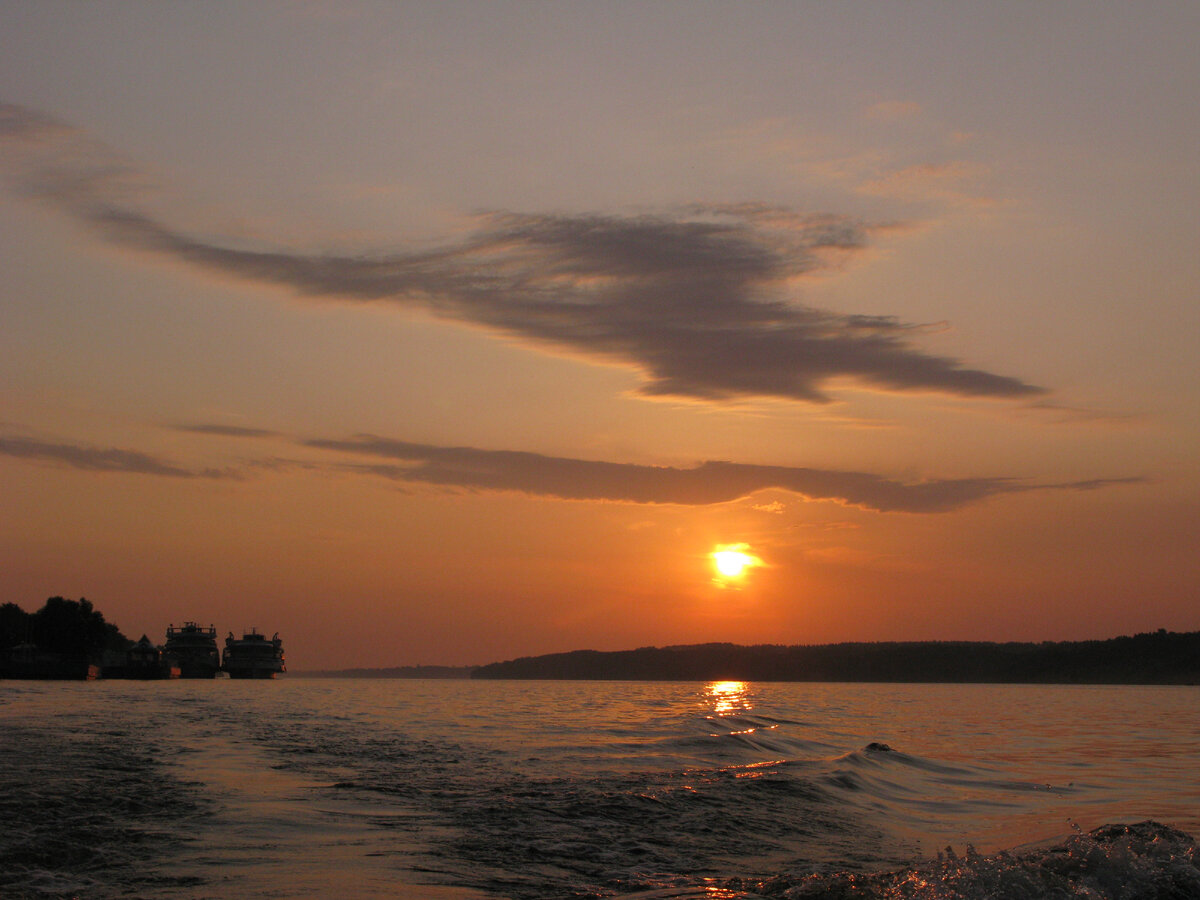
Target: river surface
(465, 790)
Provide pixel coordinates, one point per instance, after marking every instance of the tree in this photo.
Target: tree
(15, 625)
(74, 628)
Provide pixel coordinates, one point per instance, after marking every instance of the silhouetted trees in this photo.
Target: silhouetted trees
(1159, 657)
(14, 626)
(74, 629)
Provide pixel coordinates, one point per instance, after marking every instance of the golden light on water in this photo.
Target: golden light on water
(727, 696)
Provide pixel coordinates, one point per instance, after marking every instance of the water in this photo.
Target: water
(464, 790)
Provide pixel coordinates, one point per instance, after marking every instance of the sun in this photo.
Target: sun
(732, 560)
(731, 563)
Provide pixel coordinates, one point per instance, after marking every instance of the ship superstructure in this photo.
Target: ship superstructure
(254, 656)
(193, 648)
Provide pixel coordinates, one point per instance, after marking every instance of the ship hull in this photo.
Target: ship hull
(193, 650)
(186, 671)
(254, 656)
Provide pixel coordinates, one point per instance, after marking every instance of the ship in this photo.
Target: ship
(144, 661)
(254, 656)
(193, 649)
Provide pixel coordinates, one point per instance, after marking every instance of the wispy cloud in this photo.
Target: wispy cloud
(705, 484)
(101, 459)
(228, 431)
(949, 182)
(1059, 413)
(699, 301)
(474, 469)
(892, 110)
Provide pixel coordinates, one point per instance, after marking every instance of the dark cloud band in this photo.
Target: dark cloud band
(562, 478)
(697, 301)
(229, 431)
(101, 459)
(705, 484)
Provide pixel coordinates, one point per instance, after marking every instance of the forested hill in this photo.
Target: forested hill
(1156, 658)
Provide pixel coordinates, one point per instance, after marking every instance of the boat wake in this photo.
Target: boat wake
(1143, 861)
(218, 788)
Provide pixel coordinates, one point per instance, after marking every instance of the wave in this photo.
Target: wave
(724, 797)
(1142, 861)
(129, 793)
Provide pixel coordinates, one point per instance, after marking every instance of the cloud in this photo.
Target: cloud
(892, 110)
(705, 484)
(1074, 414)
(948, 182)
(228, 431)
(564, 478)
(699, 301)
(101, 459)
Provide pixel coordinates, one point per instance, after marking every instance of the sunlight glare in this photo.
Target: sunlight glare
(728, 697)
(732, 560)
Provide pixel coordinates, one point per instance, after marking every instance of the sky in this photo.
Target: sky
(447, 333)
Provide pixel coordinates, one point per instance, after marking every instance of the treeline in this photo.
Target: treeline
(1159, 657)
(74, 629)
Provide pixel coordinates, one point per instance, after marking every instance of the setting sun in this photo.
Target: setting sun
(732, 560)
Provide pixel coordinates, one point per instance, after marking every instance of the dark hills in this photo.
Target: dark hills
(1159, 657)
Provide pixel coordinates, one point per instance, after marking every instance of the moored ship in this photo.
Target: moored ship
(144, 661)
(193, 648)
(253, 656)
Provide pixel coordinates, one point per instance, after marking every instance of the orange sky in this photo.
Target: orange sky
(447, 333)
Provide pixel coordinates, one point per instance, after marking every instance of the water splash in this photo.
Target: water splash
(1143, 861)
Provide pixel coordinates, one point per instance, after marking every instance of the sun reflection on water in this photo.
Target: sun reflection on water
(728, 697)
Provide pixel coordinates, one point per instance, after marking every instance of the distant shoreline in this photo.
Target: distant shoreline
(1153, 658)
(1159, 657)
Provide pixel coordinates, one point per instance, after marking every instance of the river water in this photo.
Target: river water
(464, 790)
